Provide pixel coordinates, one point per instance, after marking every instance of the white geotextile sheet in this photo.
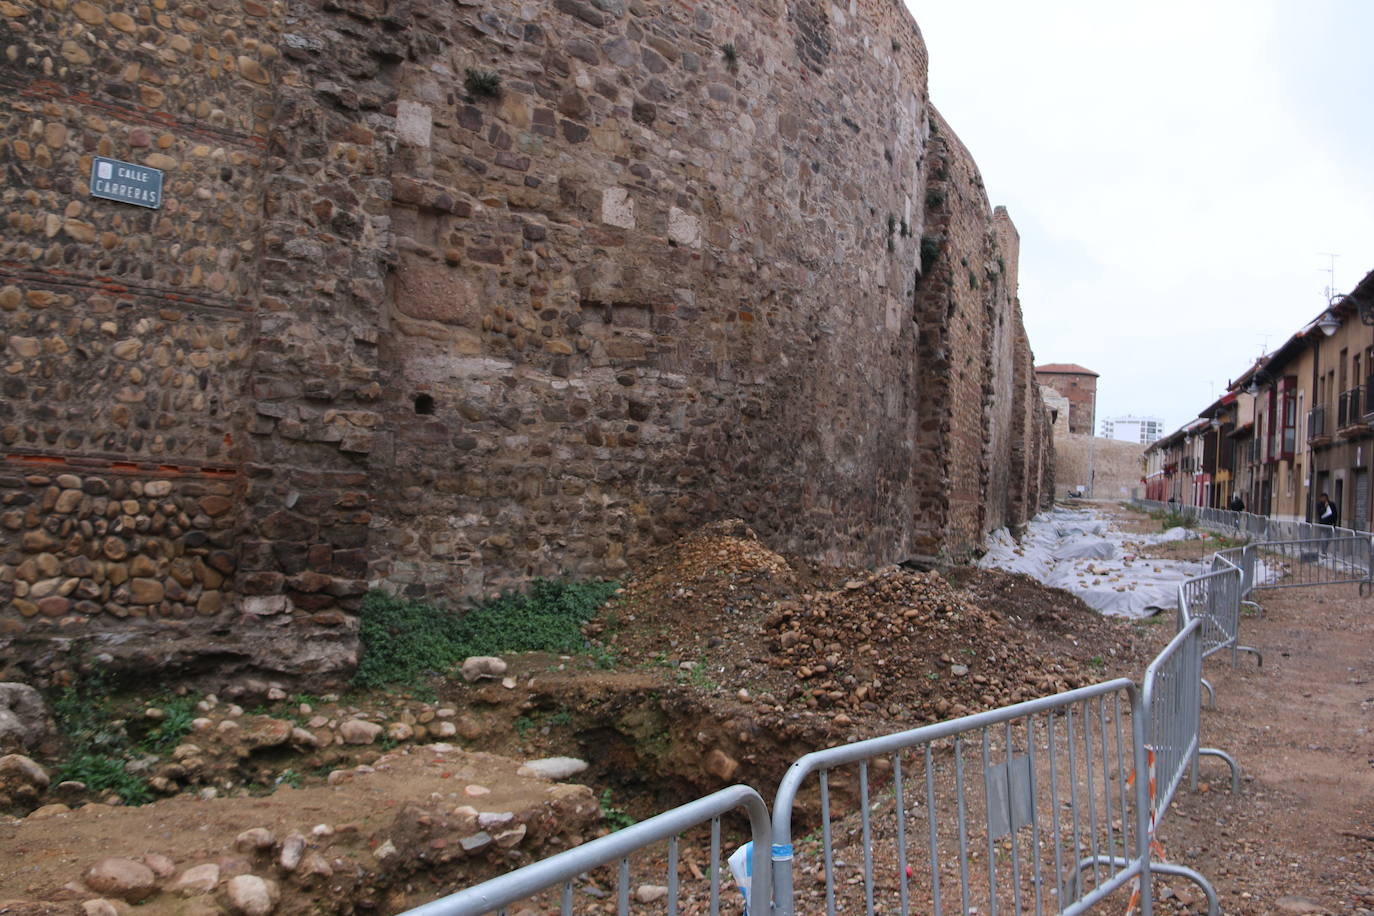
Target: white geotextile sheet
(1080, 551)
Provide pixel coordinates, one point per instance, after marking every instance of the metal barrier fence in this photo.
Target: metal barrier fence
(1172, 699)
(560, 870)
(1303, 563)
(1031, 790)
(1039, 807)
(1292, 554)
(1214, 599)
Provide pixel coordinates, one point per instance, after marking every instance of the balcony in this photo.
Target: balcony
(1350, 418)
(1318, 431)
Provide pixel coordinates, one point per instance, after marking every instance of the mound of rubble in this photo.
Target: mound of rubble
(891, 647)
(910, 645)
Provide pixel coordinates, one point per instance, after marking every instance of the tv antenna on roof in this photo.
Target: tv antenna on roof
(1330, 271)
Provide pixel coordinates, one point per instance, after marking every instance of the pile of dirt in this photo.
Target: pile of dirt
(912, 646)
(875, 648)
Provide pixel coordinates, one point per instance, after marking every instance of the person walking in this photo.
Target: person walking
(1327, 513)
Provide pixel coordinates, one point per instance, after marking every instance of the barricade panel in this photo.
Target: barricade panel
(994, 811)
(554, 877)
(1172, 697)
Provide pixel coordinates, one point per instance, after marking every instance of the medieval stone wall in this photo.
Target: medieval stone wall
(391, 327)
(1105, 468)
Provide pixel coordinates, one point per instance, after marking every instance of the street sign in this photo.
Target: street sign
(126, 182)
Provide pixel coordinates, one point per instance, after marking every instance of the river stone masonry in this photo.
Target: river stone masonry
(446, 296)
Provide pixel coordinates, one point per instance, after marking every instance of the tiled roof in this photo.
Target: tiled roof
(1065, 369)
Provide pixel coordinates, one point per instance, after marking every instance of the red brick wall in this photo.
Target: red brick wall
(1081, 390)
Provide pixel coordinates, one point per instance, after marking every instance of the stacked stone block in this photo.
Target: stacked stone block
(92, 550)
(447, 296)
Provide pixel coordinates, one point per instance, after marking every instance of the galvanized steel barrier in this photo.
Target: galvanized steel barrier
(997, 812)
(1290, 554)
(1334, 560)
(560, 870)
(1042, 807)
(1214, 599)
(1173, 728)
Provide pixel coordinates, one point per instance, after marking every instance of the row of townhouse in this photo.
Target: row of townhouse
(1296, 424)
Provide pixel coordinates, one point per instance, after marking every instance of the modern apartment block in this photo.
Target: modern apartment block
(1133, 429)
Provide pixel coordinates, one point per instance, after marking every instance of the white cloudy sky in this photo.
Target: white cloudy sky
(1175, 169)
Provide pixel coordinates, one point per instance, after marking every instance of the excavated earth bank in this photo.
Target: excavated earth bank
(729, 663)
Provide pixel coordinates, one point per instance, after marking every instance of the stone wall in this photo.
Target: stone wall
(1112, 472)
(983, 429)
(391, 327)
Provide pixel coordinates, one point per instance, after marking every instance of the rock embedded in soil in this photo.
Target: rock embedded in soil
(477, 667)
(24, 718)
(196, 880)
(507, 839)
(650, 893)
(314, 865)
(162, 866)
(553, 767)
(359, 731)
(21, 778)
(250, 895)
(721, 765)
(99, 907)
(292, 848)
(52, 810)
(255, 839)
(122, 878)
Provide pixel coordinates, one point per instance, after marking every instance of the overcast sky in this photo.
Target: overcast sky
(1176, 171)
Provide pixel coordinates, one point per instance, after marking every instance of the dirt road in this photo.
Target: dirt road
(1300, 836)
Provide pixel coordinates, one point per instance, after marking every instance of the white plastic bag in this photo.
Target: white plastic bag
(742, 867)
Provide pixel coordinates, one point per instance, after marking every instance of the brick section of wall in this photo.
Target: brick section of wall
(415, 333)
(1081, 392)
(977, 413)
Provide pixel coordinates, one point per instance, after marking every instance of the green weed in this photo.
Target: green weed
(103, 774)
(405, 640)
(696, 676)
(482, 83)
(178, 713)
(930, 251)
(615, 817)
(1177, 518)
(99, 740)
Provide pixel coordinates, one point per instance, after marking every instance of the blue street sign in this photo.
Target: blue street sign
(126, 182)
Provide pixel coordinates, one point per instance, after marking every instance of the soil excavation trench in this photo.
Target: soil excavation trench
(730, 662)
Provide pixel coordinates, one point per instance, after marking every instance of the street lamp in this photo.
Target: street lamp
(1329, 324)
